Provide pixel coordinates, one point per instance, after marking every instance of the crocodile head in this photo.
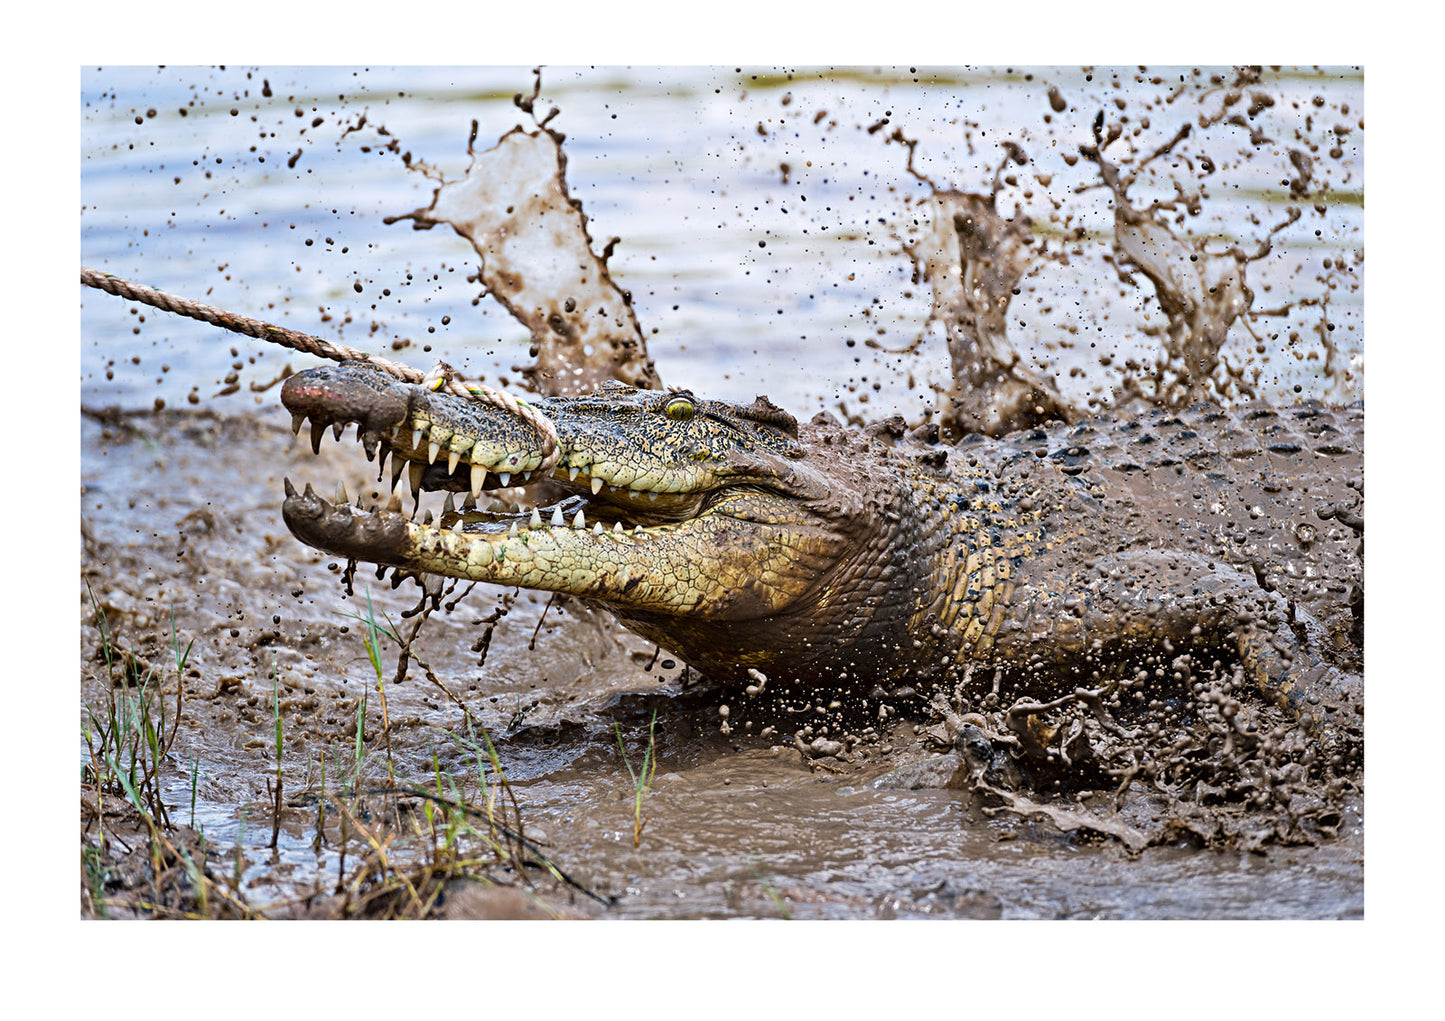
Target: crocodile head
(704, 525)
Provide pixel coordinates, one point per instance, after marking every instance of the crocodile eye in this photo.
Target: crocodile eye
(680, 409)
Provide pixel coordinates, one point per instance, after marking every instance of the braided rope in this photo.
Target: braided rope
(439, 377)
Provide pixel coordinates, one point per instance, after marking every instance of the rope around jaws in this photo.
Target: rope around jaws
(439, 377)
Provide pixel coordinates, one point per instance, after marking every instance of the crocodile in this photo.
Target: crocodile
(757, 548)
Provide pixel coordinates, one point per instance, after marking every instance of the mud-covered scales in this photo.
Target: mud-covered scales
(864, 557)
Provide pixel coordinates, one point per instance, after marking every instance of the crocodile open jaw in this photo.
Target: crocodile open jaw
(617, 532)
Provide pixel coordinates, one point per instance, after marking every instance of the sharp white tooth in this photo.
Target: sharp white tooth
(571, 472)
(579, 521)
(506, 478)
(527, 476)
(341, 496)
(416, 435)
(452, 461)
(617, 528)
(297, 421)
(597, 528)
(433, 449)
(394, 504)
(457, 528)
(536, 518)
(596, 485)
(652, 494)
(513, 530)
(479, 479)
(415, 471)
(557, 518)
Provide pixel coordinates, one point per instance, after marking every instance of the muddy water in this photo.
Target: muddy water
(182, 512)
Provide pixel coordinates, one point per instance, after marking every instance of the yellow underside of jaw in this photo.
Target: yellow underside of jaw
(595, 562)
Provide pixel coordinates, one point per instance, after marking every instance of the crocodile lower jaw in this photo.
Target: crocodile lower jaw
(645, 568)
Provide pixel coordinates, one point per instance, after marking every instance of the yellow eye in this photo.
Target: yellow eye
(680, 409)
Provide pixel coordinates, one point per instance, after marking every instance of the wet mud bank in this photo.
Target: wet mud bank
(182, 516)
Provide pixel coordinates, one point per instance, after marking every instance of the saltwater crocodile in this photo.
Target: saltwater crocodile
(757, 547)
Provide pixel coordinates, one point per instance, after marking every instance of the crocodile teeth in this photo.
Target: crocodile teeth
(452, 461)
(341, 496)
(506, 478)
(513, 530)
(571, 472)
(579, 521)
(479, 479)
(297, 421)
(617, 528)
(394, 504)
(652, 494)
(338, 428)
(597, 528)
(457, 528)
(318, 429)
(536, 518)
(596, 485)
(433, 449)
(470, 503)
(449, 505)
(527, 476)
(557, 518)
(416, 435)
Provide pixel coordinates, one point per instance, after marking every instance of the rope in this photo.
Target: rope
(439, 377)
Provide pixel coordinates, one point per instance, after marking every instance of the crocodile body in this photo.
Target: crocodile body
(822, 555)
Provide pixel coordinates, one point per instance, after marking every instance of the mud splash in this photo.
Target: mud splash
(975, 258)
(536, 256)
(556, 732)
